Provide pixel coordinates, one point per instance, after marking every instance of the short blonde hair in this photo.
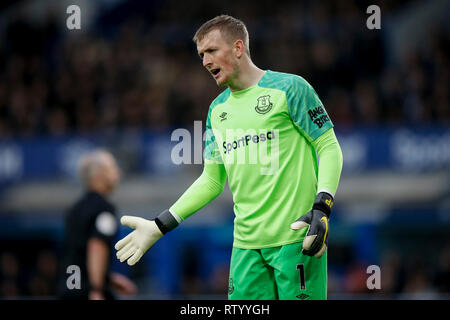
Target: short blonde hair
(93, 162)
(231, 28)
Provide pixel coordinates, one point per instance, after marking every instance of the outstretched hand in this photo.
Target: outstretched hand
(133, 246)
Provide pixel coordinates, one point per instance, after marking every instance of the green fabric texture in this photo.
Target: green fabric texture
(330, 162)
(205, 189)
(274, 274)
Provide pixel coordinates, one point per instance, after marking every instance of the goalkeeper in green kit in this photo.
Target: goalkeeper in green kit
(269, 135)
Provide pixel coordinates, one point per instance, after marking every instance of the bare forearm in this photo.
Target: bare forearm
(97, 263)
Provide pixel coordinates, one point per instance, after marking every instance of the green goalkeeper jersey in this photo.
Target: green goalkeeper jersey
(263, 137)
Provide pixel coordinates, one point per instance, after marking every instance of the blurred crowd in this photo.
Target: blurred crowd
(22, 278)
(143, 73)
(402, 276)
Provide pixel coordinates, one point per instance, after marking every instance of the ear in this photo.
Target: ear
(239, 48)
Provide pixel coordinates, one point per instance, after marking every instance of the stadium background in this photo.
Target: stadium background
(131, 76)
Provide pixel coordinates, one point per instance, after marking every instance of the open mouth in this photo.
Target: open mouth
(215, 72)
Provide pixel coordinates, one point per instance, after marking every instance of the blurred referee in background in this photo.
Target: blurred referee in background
(90, 229)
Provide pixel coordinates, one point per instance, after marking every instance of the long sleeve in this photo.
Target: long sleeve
(205, 189)
(330, 162)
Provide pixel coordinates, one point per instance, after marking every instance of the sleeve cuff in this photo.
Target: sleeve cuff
(176, 216)
(325, 190)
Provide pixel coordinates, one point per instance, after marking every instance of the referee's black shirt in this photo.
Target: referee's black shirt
(91, 217)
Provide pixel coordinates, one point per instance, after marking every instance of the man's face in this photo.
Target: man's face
(111, 173)
(218, 57)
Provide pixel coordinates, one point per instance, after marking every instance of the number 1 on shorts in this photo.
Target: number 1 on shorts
(301, 269)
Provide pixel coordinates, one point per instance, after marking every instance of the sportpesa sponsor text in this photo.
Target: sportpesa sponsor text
(243, 141)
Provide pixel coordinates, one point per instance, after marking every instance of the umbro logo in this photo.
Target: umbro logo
(302, 296)
(223, 116)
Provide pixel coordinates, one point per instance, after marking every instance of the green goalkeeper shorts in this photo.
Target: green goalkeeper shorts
(277, 273)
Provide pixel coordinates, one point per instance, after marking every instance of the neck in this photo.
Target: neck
(99, 188)
(248, 75)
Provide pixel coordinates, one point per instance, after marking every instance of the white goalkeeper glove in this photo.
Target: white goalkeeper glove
(145, 235)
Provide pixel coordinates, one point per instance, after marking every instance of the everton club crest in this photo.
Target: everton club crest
(264, 105)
